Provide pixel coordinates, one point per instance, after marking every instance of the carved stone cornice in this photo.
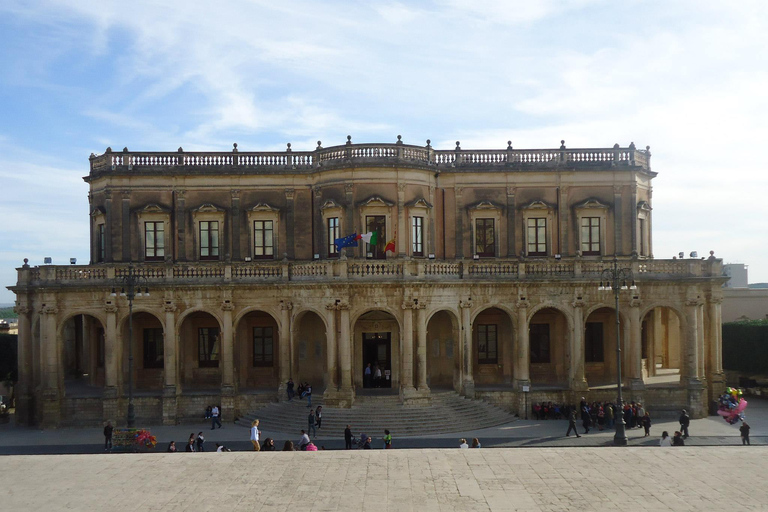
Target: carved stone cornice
(286, 306)
(635, 302)
(289, 194)
(49, 310)
(110, 308)
(169, 307)
(412, 305)
(234, 193)
(337, 306)
(465, 304)
(348, 188)
(693, 301)
(522, 304)
(577, 303)
(22, 309)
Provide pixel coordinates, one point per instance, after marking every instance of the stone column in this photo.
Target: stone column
(24, 386)
(285, 348)
(421, 347)
(617, 221)
(702, 346)
(715, 377)
(331, 349)
(111, 363)
(468, 383)
(50, 356)
(692, 340)
(170, 364)
(234, 222)
(346, 386)
(511, 222)
(125, 225)
(181, 227)
(406, 352)
(108, 225)
(289, 223)
(635, 370)
(577, 372)
(523, 359)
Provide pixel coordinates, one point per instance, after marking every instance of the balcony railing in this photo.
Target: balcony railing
(397, 153)
(351, 270)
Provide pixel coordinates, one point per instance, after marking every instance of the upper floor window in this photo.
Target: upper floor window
(208, 346)
(417, 239)
(153, 347)
(590, 236)
(333, 234)
(485, 238)
(487, 344)
(377, 224)
(263, 345)
(209, 240)
(263, 239)
(154, 241)
(537, 236)
(101, 244)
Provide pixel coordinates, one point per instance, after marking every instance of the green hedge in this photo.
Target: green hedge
(745, 346)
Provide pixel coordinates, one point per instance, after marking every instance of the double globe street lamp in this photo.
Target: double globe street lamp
(618, 279)
(130, 288)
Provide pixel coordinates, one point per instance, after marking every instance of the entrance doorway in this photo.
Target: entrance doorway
(377, 351)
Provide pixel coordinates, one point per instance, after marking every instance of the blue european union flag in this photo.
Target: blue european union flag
(347, 241)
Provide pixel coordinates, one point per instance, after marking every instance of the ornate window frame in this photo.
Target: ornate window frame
(376, 205)
(486, 210)
(99, 222)
(329, 210)
(419, 208)
(264, 211)
(155, 213)
(212, 213)
(536, 210)
(592, 208)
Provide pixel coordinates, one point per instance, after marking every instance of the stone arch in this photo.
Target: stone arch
(81, 336)
(376, 339)
(599, 337)
(271, 311)
(443, 354)
(550, 335)
(310, 347)
(492, 342)
(148, 348)
(663, 344)
(257, 339)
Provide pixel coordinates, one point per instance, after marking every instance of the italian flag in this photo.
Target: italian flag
(369, 238)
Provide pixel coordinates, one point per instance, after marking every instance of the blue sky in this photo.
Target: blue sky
(687, 78)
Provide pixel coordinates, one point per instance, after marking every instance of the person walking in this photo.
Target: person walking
(572, 425)
(665, 440)
(319, 416)
(585, 418)
(308, 393)
(387, 440)
(311, 423)
(108, 428)
(255, 433)
(646, 420)
(377, 376)
(348, 438)
(744, 429)
(685, 420)
(200, 441)
(215, 420)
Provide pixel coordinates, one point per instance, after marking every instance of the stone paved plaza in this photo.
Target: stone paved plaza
(551, 479)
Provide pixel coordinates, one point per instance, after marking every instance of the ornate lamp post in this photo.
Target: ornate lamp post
(616, 279)
(129, 288)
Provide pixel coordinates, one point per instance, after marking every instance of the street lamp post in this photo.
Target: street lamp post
(129, 289)
(616, 279)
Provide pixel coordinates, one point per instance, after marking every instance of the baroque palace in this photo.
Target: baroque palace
(493, 288)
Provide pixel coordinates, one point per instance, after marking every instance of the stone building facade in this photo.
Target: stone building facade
(491, 290)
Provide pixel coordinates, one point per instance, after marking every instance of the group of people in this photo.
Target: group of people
(196, 444)
(463, 443)
(372, 376)
(604, 415)
(304, 390)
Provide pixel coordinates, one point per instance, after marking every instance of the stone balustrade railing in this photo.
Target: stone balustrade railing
(373, 154)
(360, 269)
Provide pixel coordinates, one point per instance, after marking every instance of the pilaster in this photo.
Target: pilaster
(523, 352)
(468, 380)
(577, 372)
(51, 389)
(635, 373)
(285, 348)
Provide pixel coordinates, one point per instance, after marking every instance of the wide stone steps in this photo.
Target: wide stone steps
(448, 413)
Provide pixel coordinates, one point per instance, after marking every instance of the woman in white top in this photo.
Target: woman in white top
(255, 435)
(665, 440)
(463, 444)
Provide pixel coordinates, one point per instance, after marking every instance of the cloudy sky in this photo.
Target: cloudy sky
(688, 78)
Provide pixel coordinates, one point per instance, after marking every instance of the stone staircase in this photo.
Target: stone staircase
(449, 412)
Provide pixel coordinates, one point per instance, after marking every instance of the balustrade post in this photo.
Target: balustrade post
(616, 154)
(631, 153)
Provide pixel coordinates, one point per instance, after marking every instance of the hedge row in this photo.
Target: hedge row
(745, 347)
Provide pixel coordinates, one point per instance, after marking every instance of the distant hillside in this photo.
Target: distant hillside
(8, 312)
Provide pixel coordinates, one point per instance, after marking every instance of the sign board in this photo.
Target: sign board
(526, 389)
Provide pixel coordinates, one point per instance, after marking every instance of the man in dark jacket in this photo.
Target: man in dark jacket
(348, 438)
(744, 429)
(685, 420)
(108, 436)
(572, 424)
